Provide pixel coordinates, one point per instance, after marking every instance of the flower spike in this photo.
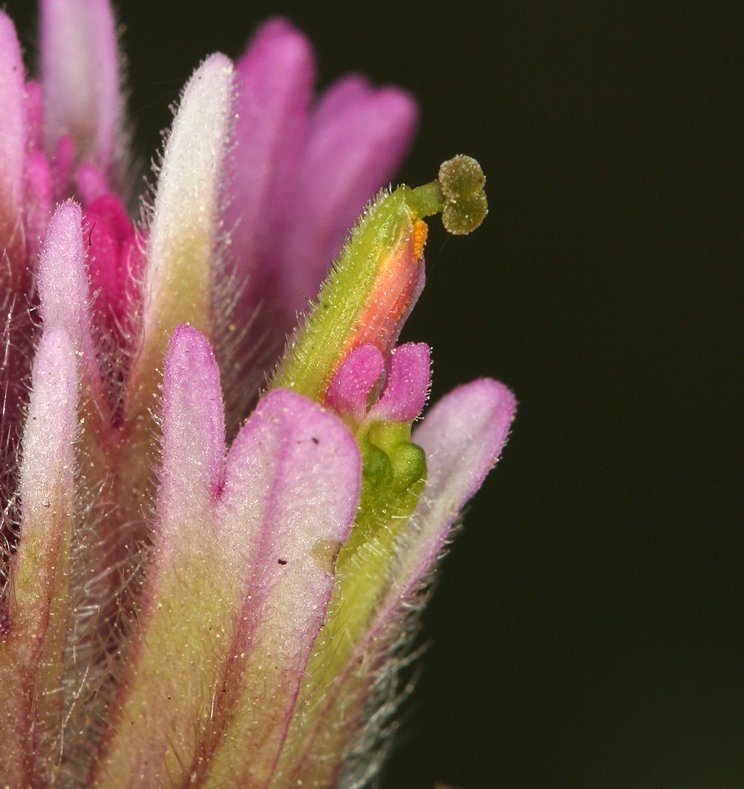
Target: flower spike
(205, 583)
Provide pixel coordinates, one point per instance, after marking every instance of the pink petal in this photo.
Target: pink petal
(191, 598)
(39, 609)
(274, 80)
(90, 183)
(341, 95)
(252, 549)
(193, 432)
(316, 465)
(80, 78)
(12, 142)
(39, 200)
(463, 436)
(64, 291)
(357, 138)
(16, 250)
(48, 462)
(182, 259)
(351, 387)
(185, 223)
(108, 235)
(407, 386)
(34, 115)
(292, 484)
(62, 164)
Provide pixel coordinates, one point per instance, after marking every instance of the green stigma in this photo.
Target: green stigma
(458, 194)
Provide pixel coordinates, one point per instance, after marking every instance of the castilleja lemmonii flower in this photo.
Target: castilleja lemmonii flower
(217, 518)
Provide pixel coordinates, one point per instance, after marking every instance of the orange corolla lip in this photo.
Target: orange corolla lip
(390, 299)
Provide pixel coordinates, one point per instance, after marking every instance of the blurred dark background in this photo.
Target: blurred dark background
(587, 629)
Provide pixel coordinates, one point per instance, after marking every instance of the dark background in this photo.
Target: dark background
(587, 630)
